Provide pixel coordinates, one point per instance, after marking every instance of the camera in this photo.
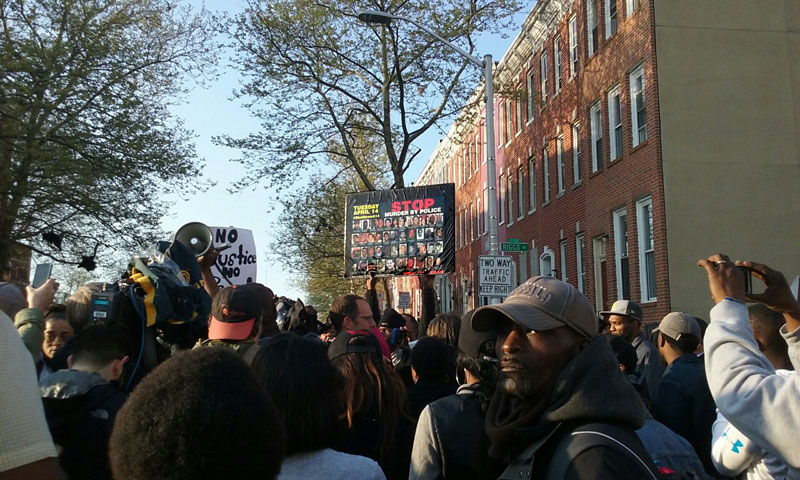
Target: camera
(748, 279)
(398, 336)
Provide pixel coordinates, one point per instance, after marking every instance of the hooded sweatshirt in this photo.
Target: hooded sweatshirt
(80, 408)
(590, 389)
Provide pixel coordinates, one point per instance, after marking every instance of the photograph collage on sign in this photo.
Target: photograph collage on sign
(412, 243)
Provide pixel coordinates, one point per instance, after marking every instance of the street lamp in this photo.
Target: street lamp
(383, 18)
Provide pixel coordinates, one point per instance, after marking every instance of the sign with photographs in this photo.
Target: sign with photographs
(405, 231)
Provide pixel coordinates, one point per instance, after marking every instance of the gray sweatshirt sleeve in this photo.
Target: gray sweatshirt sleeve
(760, 403)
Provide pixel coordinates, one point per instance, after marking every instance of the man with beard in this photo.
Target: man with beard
(563, 409)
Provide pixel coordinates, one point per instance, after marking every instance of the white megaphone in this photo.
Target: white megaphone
(197, 236)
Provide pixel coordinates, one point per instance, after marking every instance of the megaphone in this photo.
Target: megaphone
(197, 236)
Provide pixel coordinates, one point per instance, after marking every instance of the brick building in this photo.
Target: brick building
(634, 137)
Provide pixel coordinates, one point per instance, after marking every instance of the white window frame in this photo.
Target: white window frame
(510, 195)
(596, 127)
(502, 208)
(614, 124)
(478, 215)
(460, 239)
(546, 254)
(631, 6)
(620, 242)
(509, 122)
(645, 231)
(531, 104)
(477, 144)
(469, 157)
(532, 184)
(546, 175)
(591, 24)
(501, 127)
(520, 121)
(573, 46)
(543, 79)
(563, 248)
(484, 144)
(638, 132)
(560, 163)
(576, 153)
(485, 210)
(579, 246)
(520, 193)
(557, 64)
(612, 22)
(471, 223)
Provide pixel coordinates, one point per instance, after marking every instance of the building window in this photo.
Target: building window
(520, 192)
(621, 254)
(557, 65)
(563, 260)
(531, 96)
(546, 171)
(546, 262)
(632, 5)
(560, 163)
(510, 198)
(501, 126)
(485, 210)
(502, 208)
(573, 46)
(520, 120)
(591, 26)
(478, 215)
(484, 143)
(614, 124)
(647, 256)
(477, 150)
(611, 17)
(460, 240)
(576, 153)
(471, 224)
(532, 184)
(638, 108)
(596, 119)
(543, 69)
(509, 121)
(579, 263)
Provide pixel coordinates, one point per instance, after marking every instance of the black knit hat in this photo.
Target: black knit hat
(353, 342)
(474, 344)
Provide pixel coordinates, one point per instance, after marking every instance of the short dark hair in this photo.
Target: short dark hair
(304, 387)
(623, 349)
(430, 358)
(343, 306)
(200, 415)
(687, 343)
(100, 345)
(766, 325)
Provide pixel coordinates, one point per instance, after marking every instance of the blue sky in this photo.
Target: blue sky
(212, 111)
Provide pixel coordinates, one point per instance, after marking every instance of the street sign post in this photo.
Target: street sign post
(513, 245)
(403, 300)
(494, 275)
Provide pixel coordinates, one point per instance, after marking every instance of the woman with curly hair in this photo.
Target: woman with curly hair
(375, 406)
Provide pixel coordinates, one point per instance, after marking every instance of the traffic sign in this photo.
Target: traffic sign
(494, 276)
(513, 245)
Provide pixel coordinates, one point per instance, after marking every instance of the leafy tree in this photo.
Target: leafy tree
(317, 78)
(87, 144)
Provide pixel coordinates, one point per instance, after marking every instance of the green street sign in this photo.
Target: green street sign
(514, 246)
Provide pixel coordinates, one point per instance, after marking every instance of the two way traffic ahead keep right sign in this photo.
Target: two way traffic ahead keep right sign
(494, 275)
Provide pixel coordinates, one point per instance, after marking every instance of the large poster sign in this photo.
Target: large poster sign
(236, 265)
(405, 231)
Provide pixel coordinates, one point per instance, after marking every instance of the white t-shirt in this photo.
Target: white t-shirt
(24, 436)
(331, 465)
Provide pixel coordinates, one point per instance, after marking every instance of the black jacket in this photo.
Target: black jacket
(80, 408)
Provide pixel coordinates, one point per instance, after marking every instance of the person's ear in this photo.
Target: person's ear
(622, 368)
(414, 375)
(117, 366)
(69, 361)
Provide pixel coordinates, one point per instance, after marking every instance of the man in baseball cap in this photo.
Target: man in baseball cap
(625, 320)
(557, 377)
(235, 321)
(684, 402)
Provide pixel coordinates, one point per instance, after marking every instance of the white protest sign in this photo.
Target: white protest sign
(403, 300)
(494, 276)
(236, 265)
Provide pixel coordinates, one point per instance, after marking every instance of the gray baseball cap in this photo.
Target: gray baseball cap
(626, 308)
(541, 303)
(677, 324)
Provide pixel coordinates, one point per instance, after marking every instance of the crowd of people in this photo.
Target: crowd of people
(539, 386)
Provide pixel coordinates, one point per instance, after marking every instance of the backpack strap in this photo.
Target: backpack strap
(593, 435)
(250, 354)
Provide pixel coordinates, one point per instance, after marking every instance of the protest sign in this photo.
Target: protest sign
(236, 265)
